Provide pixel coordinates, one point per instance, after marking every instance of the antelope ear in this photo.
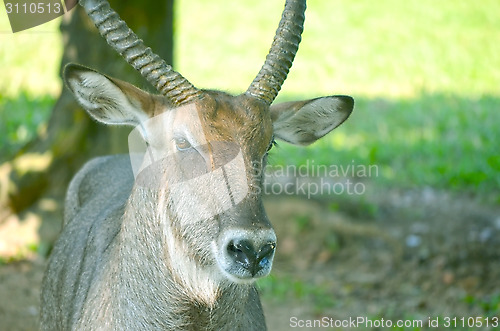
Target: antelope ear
(304, 122)
(108, 100)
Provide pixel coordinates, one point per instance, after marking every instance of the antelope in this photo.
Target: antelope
(175, 239)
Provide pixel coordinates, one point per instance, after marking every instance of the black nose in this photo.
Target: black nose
(243, 252)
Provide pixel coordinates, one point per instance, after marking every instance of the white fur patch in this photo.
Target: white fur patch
(323, 115)
(199, 284)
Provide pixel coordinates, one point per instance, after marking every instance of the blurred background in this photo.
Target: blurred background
(422, 240)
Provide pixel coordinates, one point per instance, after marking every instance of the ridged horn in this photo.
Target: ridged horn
(167, 81)
(272, 75)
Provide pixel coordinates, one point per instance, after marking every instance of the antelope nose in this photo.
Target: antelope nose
(245, 254)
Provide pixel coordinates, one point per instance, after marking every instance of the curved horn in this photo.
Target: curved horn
(273, 73)
(167, 81)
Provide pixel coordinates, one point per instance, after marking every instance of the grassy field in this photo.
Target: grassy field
(425, 76)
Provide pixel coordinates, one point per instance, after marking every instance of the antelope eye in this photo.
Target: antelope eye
(182, 144)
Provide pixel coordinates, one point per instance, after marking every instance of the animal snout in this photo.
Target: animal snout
(251, 258)
(245, 255)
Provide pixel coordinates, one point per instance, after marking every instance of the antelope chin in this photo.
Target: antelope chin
(244, 277)
(239, 275)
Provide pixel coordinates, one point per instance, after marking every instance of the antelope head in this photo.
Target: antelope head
(208, 148)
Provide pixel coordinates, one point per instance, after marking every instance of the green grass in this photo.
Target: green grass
(425, 76)
(29, 84)
(279, 289)
(20, 119)
(490, 304)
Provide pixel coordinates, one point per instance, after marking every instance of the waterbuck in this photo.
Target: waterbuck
(173, 236)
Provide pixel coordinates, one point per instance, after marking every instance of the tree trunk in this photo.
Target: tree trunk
(46, 164)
